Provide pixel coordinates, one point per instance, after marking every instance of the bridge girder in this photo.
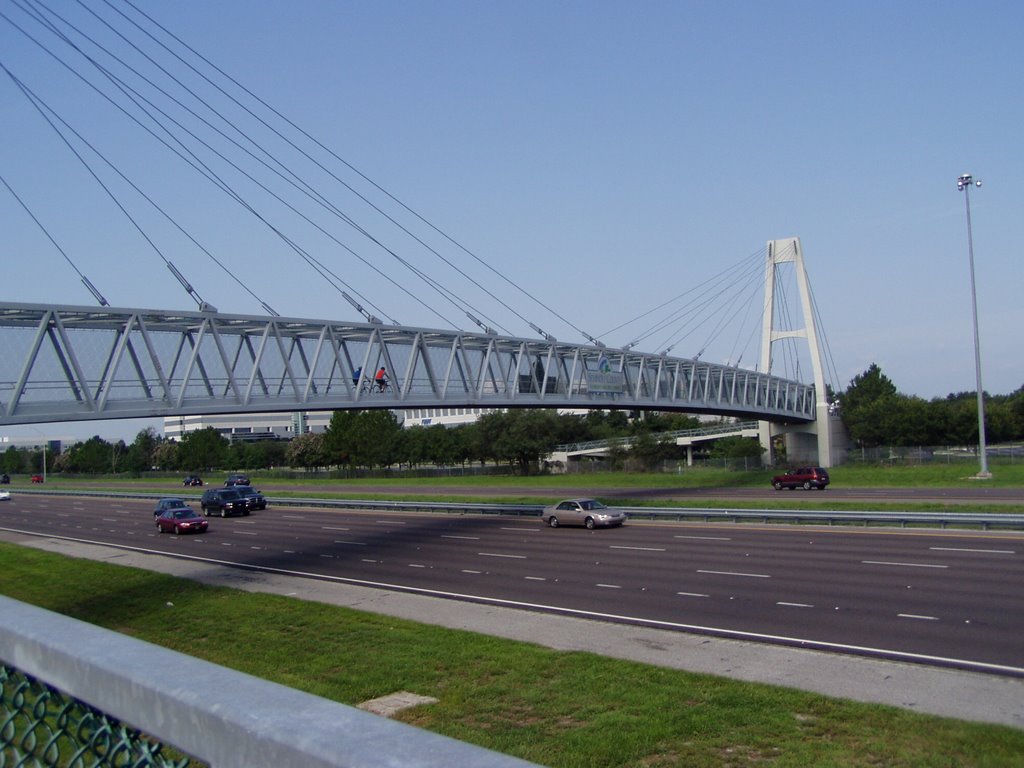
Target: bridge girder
(66, 363)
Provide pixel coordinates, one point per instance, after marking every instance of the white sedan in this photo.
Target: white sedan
(5, 495)
(587, 512)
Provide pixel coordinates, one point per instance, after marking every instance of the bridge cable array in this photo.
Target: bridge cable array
(714, 304)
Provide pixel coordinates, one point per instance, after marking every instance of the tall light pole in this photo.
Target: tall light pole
(964, 185)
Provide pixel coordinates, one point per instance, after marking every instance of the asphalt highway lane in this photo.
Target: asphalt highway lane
(942, 597)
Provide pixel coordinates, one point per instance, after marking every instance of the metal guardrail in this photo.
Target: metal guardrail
(983, 520)
(214, 714)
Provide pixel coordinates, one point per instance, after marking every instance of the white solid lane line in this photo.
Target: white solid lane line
(733, 573)
(904, 565)
(498, 554)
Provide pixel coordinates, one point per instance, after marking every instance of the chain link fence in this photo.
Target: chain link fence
(40, 726)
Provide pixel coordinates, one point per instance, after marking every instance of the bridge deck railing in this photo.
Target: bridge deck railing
(65, 363)
(213, 714)
(710, 431)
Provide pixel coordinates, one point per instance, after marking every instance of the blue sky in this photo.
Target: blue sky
(605, 156)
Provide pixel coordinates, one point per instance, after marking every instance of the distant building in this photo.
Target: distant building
(250, 426)
(284, 426)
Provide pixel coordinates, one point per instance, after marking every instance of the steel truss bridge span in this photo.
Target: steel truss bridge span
(66, 363)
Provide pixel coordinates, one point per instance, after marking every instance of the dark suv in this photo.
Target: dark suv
(253, 498)
(226, 501)
(236, 478)
(803, 477)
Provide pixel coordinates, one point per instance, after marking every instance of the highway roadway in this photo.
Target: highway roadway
(938, 597)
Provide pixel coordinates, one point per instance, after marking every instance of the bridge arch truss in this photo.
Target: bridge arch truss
(60, 363)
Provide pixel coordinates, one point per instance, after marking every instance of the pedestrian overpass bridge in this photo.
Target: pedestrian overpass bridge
(63, 363)
(76, 363)
(682, 437)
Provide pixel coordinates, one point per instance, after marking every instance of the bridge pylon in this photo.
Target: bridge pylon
(826, 426)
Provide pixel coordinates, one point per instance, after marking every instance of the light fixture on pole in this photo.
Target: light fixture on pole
(964, 183)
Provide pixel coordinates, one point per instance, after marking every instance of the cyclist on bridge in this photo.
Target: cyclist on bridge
(381, 379)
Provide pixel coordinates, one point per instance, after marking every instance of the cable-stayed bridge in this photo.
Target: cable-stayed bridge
(177, 163)
(79, 363)
(68, 363)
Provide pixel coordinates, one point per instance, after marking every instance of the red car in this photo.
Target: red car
(37, 478)
(804, 477)
(181, 520)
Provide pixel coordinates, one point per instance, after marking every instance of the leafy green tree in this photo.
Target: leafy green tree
(307, 450)
(651, 450)
(139, 457)
(12, 460)
(373, 439)
(867, 387)
(520, 437)
(165, 455)
(736, 448)
(94, 456)
(202, 449)
(337, 438)
(867, 406)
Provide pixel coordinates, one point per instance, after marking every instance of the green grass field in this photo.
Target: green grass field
(551, 707)
(510, 489)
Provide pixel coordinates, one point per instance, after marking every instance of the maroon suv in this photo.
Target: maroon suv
(803, 477)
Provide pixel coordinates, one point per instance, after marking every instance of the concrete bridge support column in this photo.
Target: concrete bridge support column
(789, 251)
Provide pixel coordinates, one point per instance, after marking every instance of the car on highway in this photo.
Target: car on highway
(169, 503)
(590, 513)
(802, 477)
(5, 495)
(253, 498)
(191, 480)
(5, 479)
(236, 478)
(181, 520)
(37, 479)
(223, 501)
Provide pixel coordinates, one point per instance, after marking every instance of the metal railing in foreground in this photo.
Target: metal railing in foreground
(215, 715)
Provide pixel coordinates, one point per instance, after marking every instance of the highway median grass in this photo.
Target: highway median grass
(556, 708)
(693, 486)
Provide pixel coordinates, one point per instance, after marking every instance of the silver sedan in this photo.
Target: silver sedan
(587, 512)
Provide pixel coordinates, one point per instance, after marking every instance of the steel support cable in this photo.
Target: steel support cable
(721, 282)
(833, 378)
(747, 304)
(720, 310)
(177, 274)
(295, 180)
(32, 98)
(197, 165)
(85, 280)
(303, 188)
(679, 317)
(364, 177)
(714, 278)
(790, 357)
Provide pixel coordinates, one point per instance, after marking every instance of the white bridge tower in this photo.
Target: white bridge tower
(827, 426)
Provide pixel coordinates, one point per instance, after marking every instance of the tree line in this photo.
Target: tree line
(874, 412)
